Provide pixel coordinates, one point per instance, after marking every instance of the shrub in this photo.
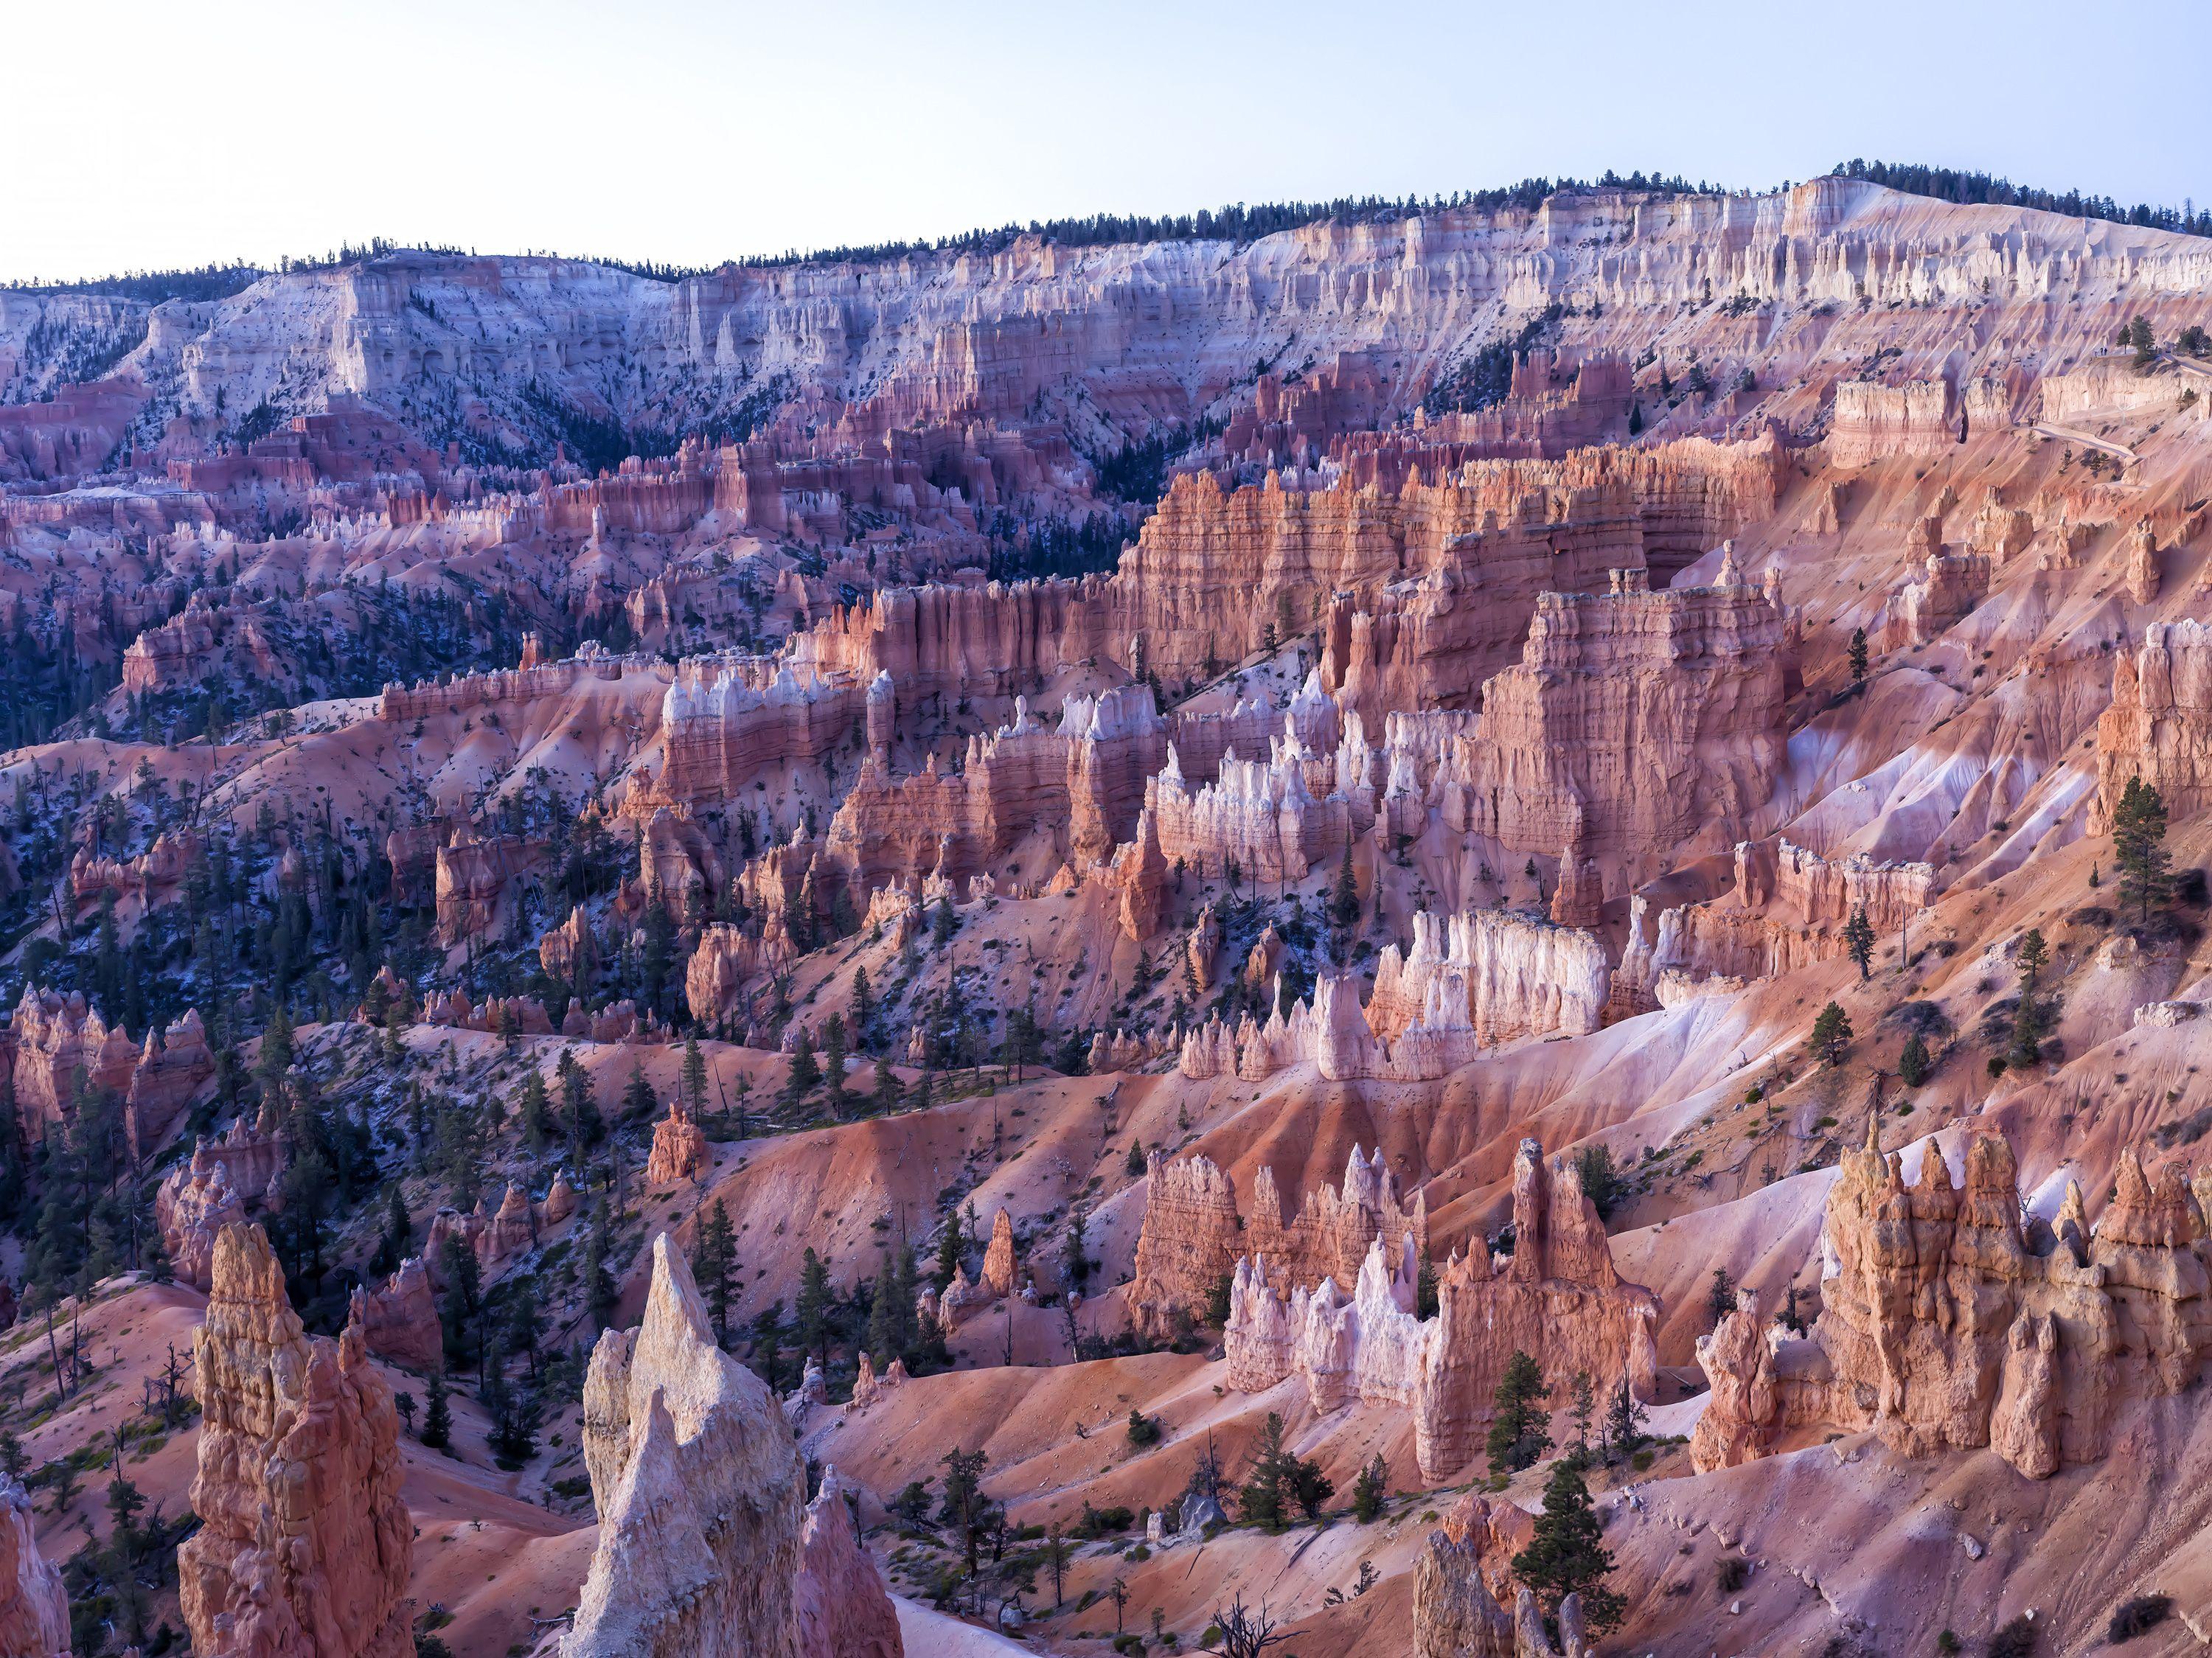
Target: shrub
(1732, 1574)
(2138, 1617)
(2016, 1640)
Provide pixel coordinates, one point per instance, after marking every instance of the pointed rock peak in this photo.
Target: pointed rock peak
(2129, 1187)
(674, 1302)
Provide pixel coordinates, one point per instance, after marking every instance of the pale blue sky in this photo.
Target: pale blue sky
(138, 134)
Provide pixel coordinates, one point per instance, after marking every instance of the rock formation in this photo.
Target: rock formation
(1787, 910)
(1470, 982)
(999, 1262)
(1949, 587)
(1742, 1408)
(568, 953)
(1873, 422)
(51, 1038)
(2158, 726)
(1457, 1616)
(34, 1620)
(725, 722)
(398, 1320)
(1946, 1324)
(699, 1491)
(1192, 1234)
(1557, 1298)
(679, 1147)
(843, 1610)
(2140, 574)
(1507, 975)
(704, 1548)
(305, 1545)
(1634, 722)
(473, 875)
(192, 1208)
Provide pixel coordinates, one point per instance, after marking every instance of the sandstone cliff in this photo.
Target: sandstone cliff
(704, 1549)
(1946, 1323)
(1191, 1233)
(1558, 1298)
(2158, 726)
(305, 1545)
(33, 1604)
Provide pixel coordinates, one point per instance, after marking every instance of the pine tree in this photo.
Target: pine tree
(695, 1077)
(1720, 1295)
(883, 1318)
(1260, 1501)
(525, 1322)
(1344, 901)
(398, 1232)
(1369, 1491)
(1913, 1064)
(813, 1307)
(863, 1006)
(2139, 847)
(535, 1110)
(883, 1098)
(833, 1062)
(1858, 939)
(1624, 1421)
(806, 1073)
(1518, 1430)
(599, 1292)
(2146, 348)
(438, 1416)
(1567, 1554)
(1075, 1263)
(714, 1264)
(638, 1100)
(1858, 656)
(949, 1249)
(1832, 1034)
(579, 1110)
(2027, 1018)
(463, 1301)
(1582, 1410)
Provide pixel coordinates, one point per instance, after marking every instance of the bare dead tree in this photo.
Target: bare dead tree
(1246, 1634)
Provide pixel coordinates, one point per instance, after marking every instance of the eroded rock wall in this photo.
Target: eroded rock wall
(305, 1545)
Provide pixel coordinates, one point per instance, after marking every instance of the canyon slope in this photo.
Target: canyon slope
(913, 953)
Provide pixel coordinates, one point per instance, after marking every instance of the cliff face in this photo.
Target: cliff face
(1787, 910)
(1156, 329)
(1558, 1298)
(1508, 975)
(473, 875)
(305, 1545)
(1191, 1233)
(1634, 719)
(1948, 1324)
(1471, 981)
(726, 723)
(398, 1320)
(2158, 726)
(699, 1491)
(34, 1601)
(1872, 422)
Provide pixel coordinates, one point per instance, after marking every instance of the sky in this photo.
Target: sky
(149, 136)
